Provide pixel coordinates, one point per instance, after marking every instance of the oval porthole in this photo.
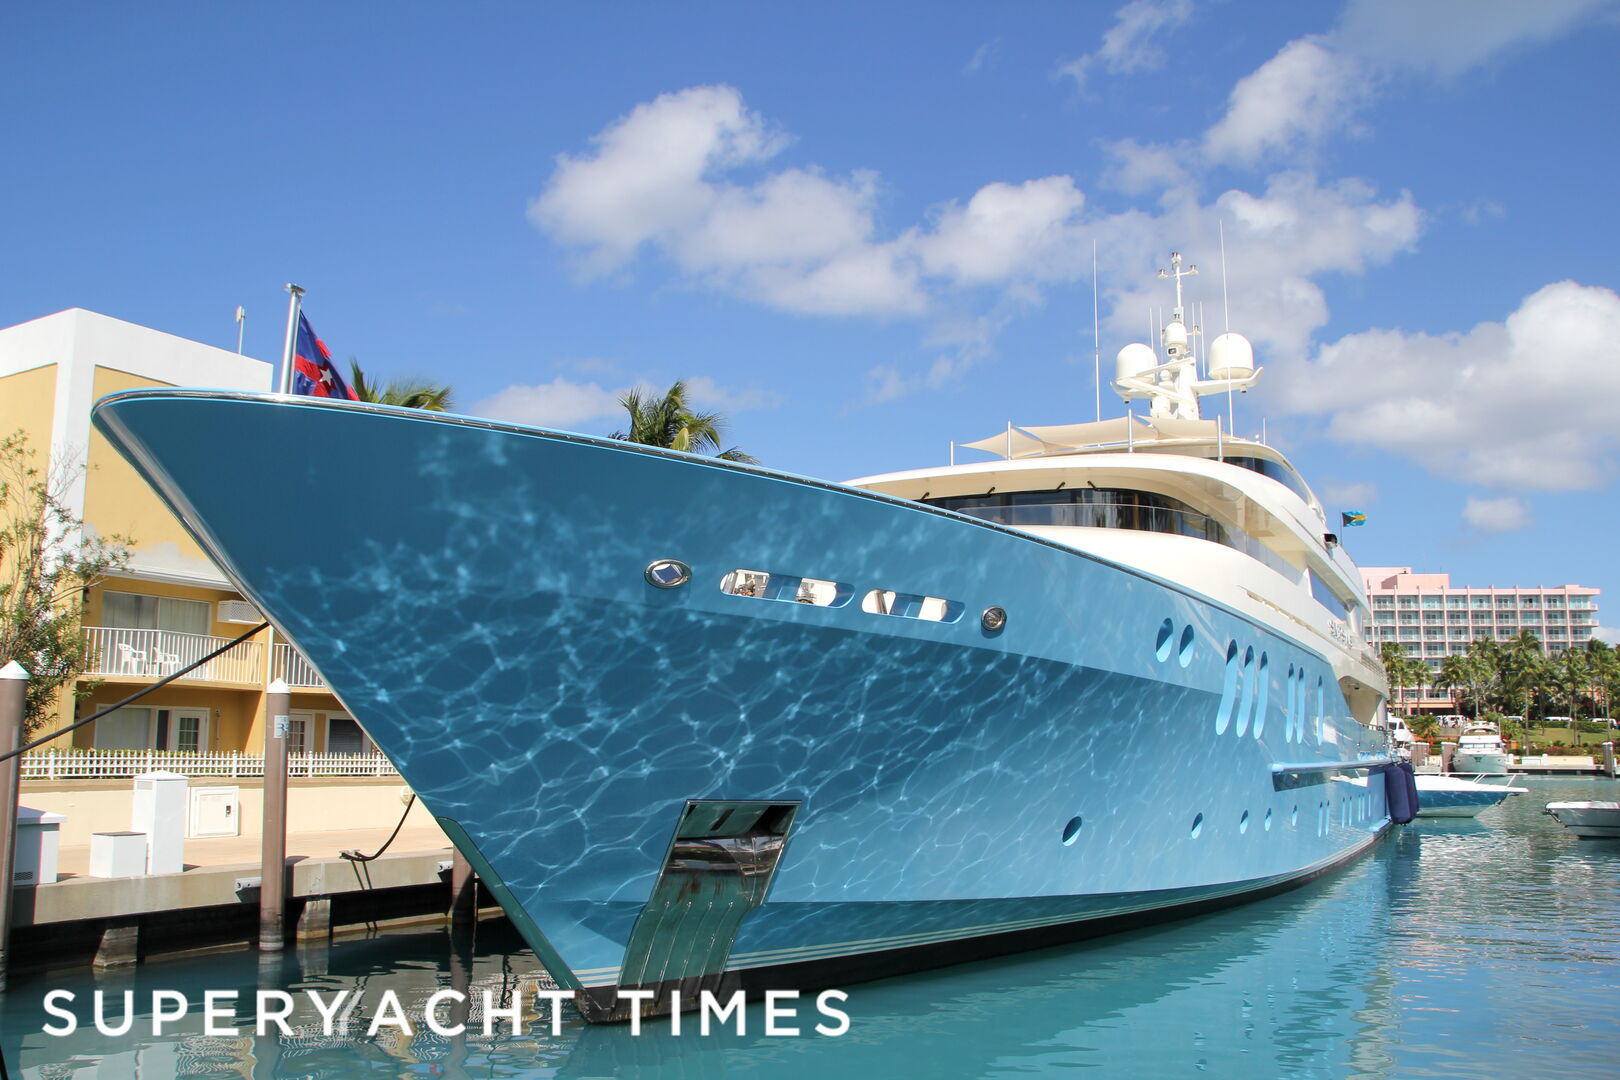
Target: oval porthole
(1243, 822)
(1185, 655)
(1167, 635)
(1293, 818)
(993, 619)
(1268, 821)
(1246, 704)
(1223, 716)
(1071, 831)
(1263, 695)
(668, 573)
(1198, 826)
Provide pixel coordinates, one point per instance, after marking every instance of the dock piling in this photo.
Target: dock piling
(13, 706)
(273, 860)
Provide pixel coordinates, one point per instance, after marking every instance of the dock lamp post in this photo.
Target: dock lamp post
(13, 704)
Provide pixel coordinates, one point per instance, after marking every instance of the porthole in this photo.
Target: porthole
(1289, 706)
(1223, 715)
(1185, 653)
(993, 619)
(1321, 709)
(1293, 818)
(1167, 637)
(1071, 831)
(1246, 705)
(1263, 695)
(1268, 821)
(1243, 823)
(668, 573)
(1197, 826)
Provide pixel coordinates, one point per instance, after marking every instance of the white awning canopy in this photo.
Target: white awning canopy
(1023, 442)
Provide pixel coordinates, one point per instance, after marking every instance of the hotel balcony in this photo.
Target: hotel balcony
(299, 673)
(144, 655)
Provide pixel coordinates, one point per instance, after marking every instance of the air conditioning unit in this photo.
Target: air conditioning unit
(239, 611)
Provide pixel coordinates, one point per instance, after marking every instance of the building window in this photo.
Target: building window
(138, 611)
(344, 736)
(1477, 602)
(1407, 602)
(1383, 601)
(1454, 602)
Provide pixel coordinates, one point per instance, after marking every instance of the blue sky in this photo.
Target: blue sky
(866, 230)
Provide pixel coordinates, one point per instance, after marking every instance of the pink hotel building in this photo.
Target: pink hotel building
(1432, 619)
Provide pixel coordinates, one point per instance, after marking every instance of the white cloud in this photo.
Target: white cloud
(1506, 514)
(1524, 404)
(984, 57)
(562, 403)
(1609, 634)
(1006, 232)
(1352, 495)
(648, 174)
(706, 393)
(1306, 91)
(1129, 44)
(1447, 37)
(1316, 85)
(556, 404)
(799, 240)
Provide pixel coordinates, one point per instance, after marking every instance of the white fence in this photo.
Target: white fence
(115, 764)
(289, 664)
(150, 654)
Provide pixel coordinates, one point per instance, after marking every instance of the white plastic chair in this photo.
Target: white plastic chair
(131, 661)
(167, 662)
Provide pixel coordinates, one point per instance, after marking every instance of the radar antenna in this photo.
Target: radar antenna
(1171, 382)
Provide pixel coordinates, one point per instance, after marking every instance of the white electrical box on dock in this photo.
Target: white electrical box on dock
(38, 834)
(160, 812)
(215, 811)
(117, 854)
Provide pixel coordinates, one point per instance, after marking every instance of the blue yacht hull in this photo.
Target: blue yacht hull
(475, 595)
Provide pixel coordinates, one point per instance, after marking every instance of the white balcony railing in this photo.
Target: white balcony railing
(150, 654)
(97, 764)
(289, 664)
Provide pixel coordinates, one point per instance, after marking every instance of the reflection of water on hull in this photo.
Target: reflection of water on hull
(1088, 1004)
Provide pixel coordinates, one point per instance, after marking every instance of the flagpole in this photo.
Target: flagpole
(292, 337)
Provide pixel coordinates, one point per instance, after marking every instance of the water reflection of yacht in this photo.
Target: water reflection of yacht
(1104, 677)
(1068, 1005)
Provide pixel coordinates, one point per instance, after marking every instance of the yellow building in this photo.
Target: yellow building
(170, 606)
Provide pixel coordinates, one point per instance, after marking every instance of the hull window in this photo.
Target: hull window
(911, 606)
(762, 585)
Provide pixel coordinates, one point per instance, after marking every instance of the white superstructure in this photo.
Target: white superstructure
(1176, 496)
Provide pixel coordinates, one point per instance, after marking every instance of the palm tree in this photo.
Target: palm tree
(409, 393)
(670, 422)
(1401, 670)
(1572, 673)
(1523, 671)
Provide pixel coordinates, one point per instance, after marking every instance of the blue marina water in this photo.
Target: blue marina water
(1484, 947)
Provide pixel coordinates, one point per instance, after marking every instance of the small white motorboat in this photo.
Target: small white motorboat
(1453, 796)
(1588, 820)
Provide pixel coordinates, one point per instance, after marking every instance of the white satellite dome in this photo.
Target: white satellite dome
(1231, 357)
(1175, 339)
(1134, 359)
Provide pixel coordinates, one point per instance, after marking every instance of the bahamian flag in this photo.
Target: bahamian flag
(313, 372)
(1353, 517)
